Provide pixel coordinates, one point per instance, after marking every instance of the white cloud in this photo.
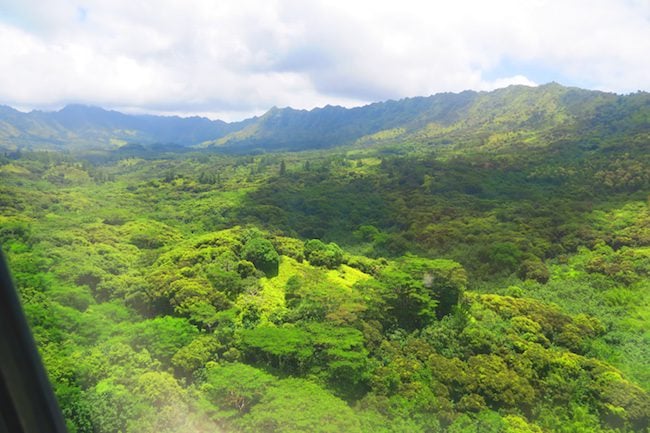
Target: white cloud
(239, 57)
(507, 81)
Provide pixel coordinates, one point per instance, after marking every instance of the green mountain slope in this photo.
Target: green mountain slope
(514, 116)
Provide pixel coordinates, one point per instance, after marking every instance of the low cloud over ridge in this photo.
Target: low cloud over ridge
(232, 59)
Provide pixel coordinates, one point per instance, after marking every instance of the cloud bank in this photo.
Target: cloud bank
(230, 59)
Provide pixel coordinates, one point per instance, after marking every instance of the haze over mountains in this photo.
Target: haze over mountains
(470, 118)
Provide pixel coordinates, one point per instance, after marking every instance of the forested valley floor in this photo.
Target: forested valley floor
(357, 289)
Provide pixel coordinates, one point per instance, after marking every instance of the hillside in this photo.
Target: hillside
(514, 116)
(83, 127)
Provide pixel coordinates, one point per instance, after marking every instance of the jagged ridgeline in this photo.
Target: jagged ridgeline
(514, 115)
(462, 263)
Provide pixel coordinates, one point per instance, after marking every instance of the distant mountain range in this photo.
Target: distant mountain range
(80, 126)
(515, 113)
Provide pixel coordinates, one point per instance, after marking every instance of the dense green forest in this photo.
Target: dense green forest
(449, 278)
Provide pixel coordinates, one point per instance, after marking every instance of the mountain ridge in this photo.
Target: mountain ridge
(469, 115)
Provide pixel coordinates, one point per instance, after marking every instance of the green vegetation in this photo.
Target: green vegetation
(495, 283)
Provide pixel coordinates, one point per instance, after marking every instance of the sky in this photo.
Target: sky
(234, 59)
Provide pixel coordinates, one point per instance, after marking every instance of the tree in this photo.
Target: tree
(298, 406)
(163, 404)
(420, 290)
(503, 257)
(500, 385)
(233, 389)
(263, 255)
(336, 354)
(162, 336)
(534, 270)
(196, 354)
(321, 254)
(112, 406)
